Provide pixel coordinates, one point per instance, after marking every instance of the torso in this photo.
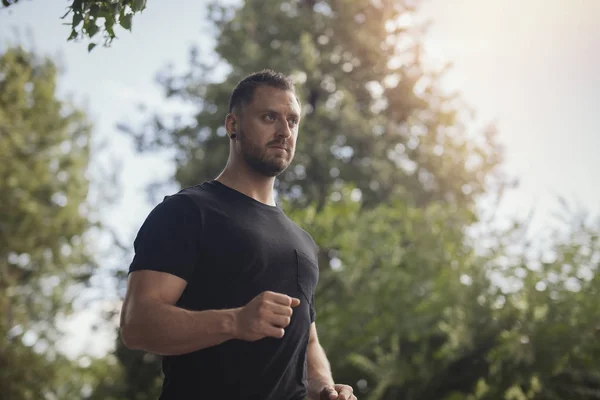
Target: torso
(246, 248)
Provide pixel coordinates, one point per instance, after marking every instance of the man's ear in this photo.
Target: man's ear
(231, 123)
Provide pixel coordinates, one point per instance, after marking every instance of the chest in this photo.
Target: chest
(244, 254)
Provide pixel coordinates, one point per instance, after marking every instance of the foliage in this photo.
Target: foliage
(28, 374)
(45, 151)
(139, 377)
(407, 284)
(552, 351)
(373, 113)
(24, 373)
(408, 309)
(90, 17)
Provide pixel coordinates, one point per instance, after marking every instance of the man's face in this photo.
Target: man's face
(268, 129)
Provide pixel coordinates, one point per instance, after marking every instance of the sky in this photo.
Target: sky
(530, 67)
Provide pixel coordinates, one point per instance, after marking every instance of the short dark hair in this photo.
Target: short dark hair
(244, 91)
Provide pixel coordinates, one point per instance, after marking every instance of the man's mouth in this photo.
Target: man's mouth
(279, 147)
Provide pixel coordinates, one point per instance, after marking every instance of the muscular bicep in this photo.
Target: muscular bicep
(145, 286)
(156, 285)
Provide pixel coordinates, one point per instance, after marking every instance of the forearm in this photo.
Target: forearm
(319, 370)
(165, 329)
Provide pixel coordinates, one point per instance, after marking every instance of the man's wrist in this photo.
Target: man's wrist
(316, 385)
(229, 326)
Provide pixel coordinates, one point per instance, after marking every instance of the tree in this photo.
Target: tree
(374, 114)
(442, 319)
(395, 299)
(45, 153)
(552, 350)
(89, 17)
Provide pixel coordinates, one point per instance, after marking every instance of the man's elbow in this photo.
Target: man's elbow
(130, 336)
(127, 338)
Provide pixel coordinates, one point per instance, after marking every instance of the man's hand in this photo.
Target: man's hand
(265, 315)
(337, 392)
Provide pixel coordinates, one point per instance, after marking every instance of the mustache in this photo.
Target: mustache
(278, 144)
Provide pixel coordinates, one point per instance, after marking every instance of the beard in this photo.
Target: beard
(258, 159)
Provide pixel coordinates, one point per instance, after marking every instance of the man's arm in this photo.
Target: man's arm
(150, 321)
(320, 380)
(319, 370)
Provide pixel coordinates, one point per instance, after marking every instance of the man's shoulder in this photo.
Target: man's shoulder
(200, 196)
(189, 202)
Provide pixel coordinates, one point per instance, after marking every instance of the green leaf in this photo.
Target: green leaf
(108, 25)
(91, 46)
(91, 28)
(77, 5)
(77, 18)
(94, 10)
(73, 35)
(138, 5)
(125, 22)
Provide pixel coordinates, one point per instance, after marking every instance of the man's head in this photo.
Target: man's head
(263, 122)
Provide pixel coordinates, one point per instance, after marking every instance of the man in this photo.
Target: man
(222, 282)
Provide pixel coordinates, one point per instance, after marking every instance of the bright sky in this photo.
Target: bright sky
(530, 66)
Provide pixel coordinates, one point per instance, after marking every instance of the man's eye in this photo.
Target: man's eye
(293, 122)
(270, 117)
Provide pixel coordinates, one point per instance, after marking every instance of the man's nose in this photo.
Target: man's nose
(284, 130)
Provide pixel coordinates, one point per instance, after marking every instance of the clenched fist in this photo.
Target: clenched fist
(265, 315)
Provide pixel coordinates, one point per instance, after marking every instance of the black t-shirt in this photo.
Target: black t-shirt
(230, 248)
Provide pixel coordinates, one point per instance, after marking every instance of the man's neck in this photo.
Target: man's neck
(250, 183)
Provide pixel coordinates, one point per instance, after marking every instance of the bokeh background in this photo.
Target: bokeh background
(446, 167)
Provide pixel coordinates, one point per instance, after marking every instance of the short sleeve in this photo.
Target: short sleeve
(169, 237)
